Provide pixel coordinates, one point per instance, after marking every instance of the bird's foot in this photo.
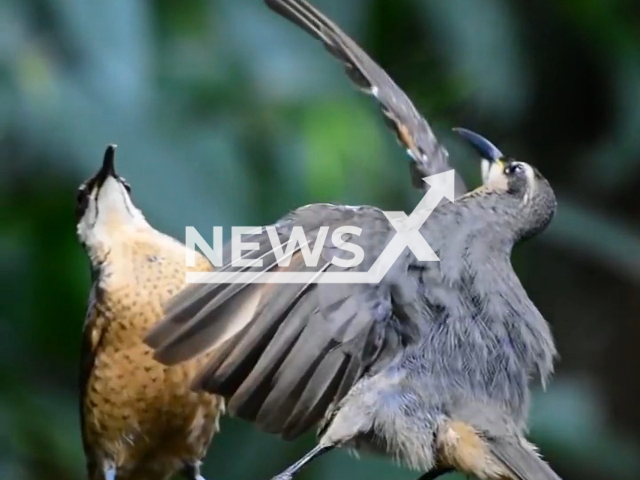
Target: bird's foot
(283, 476)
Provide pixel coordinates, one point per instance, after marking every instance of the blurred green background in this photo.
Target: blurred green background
(225, 113)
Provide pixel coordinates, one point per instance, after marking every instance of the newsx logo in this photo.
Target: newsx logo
(407, 235)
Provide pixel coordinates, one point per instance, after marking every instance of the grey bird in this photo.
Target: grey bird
(432, 365)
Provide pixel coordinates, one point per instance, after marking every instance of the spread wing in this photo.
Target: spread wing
(283, 354)
(411, 129)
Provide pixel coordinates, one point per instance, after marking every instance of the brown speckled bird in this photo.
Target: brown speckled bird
(140, 420)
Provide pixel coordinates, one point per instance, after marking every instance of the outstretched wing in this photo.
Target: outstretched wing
(283, 354)
(411, 129)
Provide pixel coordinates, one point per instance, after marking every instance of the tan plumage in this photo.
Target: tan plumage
(140, 420)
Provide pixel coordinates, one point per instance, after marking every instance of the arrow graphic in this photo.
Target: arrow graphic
(407, 235)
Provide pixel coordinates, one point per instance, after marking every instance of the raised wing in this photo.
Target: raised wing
(411, 129)
(283, 354)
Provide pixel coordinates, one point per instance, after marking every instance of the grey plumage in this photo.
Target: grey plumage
(432, 365)
(430, 336)
(521, 460)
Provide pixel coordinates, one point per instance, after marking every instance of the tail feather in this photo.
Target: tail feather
(522, 460)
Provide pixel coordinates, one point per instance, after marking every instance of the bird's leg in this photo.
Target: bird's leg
(191, 471)
(435, 473)
(289, 473)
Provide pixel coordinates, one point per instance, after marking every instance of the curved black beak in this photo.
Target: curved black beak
(484, 147)
(108, 167)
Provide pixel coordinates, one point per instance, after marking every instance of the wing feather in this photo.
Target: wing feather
(411, 129)
(283, 354)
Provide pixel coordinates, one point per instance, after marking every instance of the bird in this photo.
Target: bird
(139, 419)
(431, 366)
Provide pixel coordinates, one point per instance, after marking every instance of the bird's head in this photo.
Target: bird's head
(104, 207)
(523, 194)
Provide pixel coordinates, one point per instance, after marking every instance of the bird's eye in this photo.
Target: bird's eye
(125, 184)
(514, 169)
(82, 201)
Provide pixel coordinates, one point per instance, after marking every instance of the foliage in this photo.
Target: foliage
(224, 113)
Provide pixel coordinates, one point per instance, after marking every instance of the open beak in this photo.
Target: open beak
(488, 151)
(108, 167)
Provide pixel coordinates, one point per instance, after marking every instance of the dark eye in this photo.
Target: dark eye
(82, 200)
(514, 169)
(125, 184)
